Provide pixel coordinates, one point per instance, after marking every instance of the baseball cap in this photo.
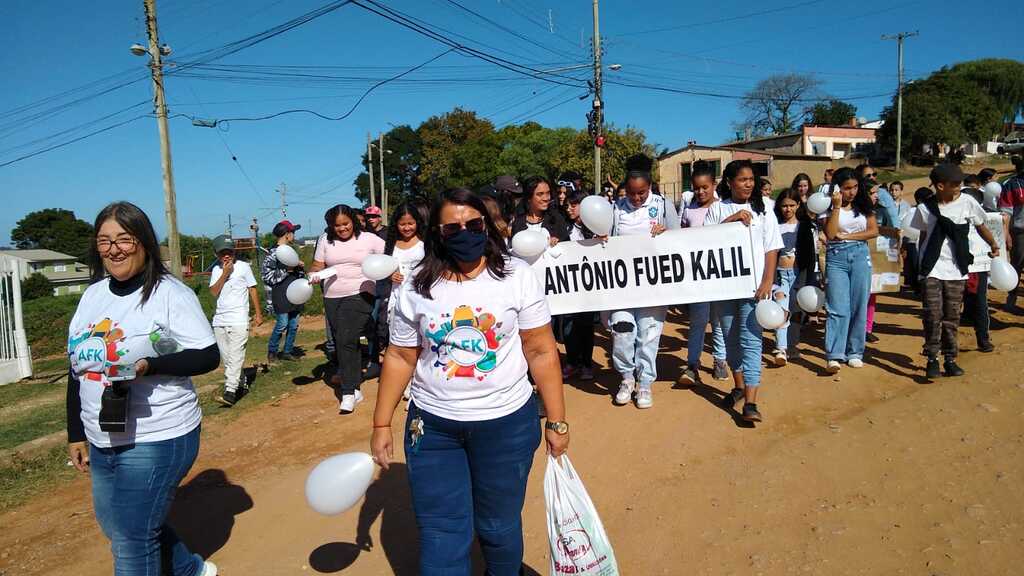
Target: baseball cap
(222, 243)
(508, 184)
(283, 227)
(946, 173)
(373, 211)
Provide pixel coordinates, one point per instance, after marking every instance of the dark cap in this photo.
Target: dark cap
(946, 173)
(283, 227)
(508, 184)
(222, 243)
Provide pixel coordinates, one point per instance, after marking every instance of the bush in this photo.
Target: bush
(46, 323)
(36, 286)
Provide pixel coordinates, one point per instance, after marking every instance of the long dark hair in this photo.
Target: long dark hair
(788, 194)
(801, 177)
(553, 219)
(332, 215)
(732, 170)
(437, 261)
(135, 222)
(806, 230)
(405, 208)
(862, 201)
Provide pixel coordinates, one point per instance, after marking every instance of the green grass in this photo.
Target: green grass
(23, 478)
(19, 391)
(40, 421)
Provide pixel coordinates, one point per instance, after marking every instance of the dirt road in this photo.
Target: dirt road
(871, 472)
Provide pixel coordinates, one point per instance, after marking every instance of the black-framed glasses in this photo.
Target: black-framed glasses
(124, 244)
(473, 225)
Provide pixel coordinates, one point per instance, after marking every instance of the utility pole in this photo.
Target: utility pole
(170, 202)
(383, 190)
(283, 190)
(369, 168)
(598, 104)
(899, 90)
(255, 227)
(230, 230)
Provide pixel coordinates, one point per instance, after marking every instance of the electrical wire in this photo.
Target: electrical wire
(509, 30)
(723, 20)
(69, 142)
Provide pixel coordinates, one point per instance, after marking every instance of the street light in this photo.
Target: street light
(613, 67)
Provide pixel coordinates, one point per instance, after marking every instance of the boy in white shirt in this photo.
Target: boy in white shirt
(234, 285)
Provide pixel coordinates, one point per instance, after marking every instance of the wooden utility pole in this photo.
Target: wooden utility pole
(369, 168)
(899, 90)
(160, 104)
(598, 103)
(383, 190)
(284, 200)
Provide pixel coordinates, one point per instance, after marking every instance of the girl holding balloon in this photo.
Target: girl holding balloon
(796, 268)
(405, 244)
(348, 295)
(537, 211)
(741, 203)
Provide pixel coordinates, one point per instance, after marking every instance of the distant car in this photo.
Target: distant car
(1011, 146)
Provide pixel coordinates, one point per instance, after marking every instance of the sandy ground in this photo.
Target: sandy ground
(875, 471)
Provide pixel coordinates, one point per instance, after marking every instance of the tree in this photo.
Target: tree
(578, 153)
(54, 229)
(454, 145)
(402, 157)
(36, 286)
(1001, 79)
(773, 105)
(199, 246)
(832, 112)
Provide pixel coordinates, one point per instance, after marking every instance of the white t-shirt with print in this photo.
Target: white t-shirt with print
(961, 210)
(109, 333)
(233, 302)
(471, 365)
(764, 230)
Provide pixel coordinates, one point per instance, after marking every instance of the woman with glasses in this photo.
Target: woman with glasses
(348, 295)
(468, 328)
(135, 341)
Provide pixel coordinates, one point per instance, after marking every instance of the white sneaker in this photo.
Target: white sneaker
(780, 358)
(625, 393)
(855, 363)
(833, 367)
(644, 398)
(209, 569)
(349, 401)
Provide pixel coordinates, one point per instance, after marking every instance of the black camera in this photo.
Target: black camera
(114, 407)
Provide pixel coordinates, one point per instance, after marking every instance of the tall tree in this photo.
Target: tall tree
(402, 157)
(832, 112)
(452, 144)
(1001, 79)
(774, 105)
(578, 154)
(53, 229)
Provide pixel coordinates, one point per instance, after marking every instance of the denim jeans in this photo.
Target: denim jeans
(785, 278)
(700, 315)
(471, 477)
(132, 490)
(848, 271)
(742, 338)
(288, 321)
(976, 308)
(578, 336)
(636, 335)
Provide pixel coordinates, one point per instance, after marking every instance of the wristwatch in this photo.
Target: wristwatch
(560, 428)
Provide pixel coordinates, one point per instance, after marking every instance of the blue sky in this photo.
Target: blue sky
(715, 47)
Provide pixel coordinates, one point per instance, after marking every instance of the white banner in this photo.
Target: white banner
(980, 248)
(677, 267)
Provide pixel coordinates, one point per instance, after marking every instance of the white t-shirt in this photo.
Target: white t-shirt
(849, 223)
(764, 230)
(769, 204)
(471, 365)
(109, 333)
(576, 233)
(961, 210)
(233, 302)
(630, 220)
(408, 258)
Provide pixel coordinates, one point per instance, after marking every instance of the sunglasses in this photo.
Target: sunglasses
(474, 225)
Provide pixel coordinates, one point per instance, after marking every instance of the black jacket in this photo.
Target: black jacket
(552, 222)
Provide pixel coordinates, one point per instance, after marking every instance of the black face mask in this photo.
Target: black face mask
(466, 246)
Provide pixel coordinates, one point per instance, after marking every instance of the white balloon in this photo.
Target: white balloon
(287, 255)
(339, 482)
(993, 189)
(819, 202)
(529, 243)
(597, 215)
(379, 266)
(810, 298)
(769, 314)
(299, 292)
(1003, 276)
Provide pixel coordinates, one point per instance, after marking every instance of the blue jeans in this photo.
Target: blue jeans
(471, 477)
(742, 338)
(700, 315)
(132, 490)
(636, 335)
(288, 321)
(848, 271)
(785, 296)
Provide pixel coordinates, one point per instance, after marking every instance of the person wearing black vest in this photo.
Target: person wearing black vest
(944, 221)
(578, 329)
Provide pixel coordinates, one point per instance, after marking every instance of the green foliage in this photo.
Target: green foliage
(36, 286)
(1001, 79)
(402, 157)
(53, 229)
(199, 246)
(578, 153)
(832, 112)
(46, 323)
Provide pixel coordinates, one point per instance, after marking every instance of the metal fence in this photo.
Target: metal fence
(15, 357)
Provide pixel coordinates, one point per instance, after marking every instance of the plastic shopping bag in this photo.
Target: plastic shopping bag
(578, 541)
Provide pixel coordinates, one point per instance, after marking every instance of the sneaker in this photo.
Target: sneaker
(870, 337)
(780, 358)
(833, 367)
(271, 358)
(644, 398)
(625, 393)
(228, 398)
(568, 371)
(931, 371)
(733, 397)
(372, 371)
(720, 371)
(855, 363)
(586, 373)
(986, 346)
(286, 357)
(750, 413)
(209, 569)
(793, 353)
(349, 401)
(950, 368)
(689, 376)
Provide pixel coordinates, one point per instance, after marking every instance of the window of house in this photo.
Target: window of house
(56, 291)
(36, 267)
(75, 289)
(60, 268)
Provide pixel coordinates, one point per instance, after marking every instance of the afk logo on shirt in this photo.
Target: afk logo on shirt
(465, 345)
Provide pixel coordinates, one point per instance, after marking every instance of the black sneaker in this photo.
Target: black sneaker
(228, 398)
(271, 358)
(750, 413)
(986, 346)
(870, 337)
(733, 397)
(932, 370)
(950, 368)
(286, 357)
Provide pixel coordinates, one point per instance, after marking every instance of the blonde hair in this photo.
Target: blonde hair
(495, 213)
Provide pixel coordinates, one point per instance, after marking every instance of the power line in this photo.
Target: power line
(507, 29)
(724, 20)
(80, 138)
